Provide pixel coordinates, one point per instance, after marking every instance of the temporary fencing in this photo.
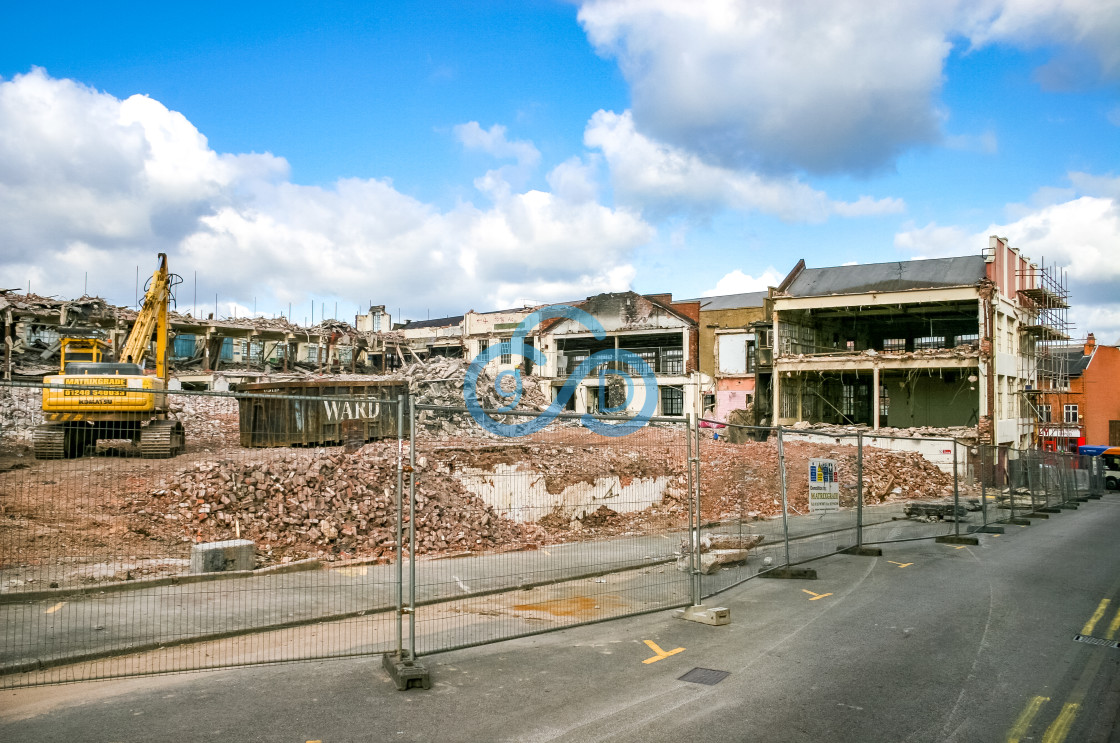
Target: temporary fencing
(279, 553)
(333, 519)
(556, 528)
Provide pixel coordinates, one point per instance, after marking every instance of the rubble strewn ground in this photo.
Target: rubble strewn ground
(335, 504)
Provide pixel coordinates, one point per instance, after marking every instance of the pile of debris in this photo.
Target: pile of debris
(965, 434)
(321, 503)
(20, 412)
(742, 480)
(207, 420)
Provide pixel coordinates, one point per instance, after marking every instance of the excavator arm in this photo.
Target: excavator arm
(152, 318)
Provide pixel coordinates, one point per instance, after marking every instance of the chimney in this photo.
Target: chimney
(1090, 344)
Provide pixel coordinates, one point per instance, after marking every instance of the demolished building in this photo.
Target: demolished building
(204, 351)
(944, 342)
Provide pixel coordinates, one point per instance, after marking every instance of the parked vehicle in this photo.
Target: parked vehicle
(1110, 456)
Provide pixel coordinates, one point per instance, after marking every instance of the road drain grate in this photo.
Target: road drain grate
(705, 676)
(1097, 641)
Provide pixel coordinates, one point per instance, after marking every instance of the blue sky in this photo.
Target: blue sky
(438, 157)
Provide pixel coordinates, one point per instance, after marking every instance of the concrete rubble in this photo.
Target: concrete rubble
(322, 502)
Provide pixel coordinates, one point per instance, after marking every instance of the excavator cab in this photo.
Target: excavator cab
(90, 350)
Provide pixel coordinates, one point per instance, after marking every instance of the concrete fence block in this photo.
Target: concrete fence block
(217, 557)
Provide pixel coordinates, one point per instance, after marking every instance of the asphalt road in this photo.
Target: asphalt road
(929, 642)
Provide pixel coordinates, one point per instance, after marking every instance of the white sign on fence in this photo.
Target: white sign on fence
(824, 490)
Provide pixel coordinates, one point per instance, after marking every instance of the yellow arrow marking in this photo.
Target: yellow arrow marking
(1101, 608)
(901, 564)
(661, 654)
(815, 595)
(1059, 729)
(55, 608)
(1019, 729)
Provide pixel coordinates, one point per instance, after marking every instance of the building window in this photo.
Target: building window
(929, 341)
(1070, 413)
(483, 345)
(672, 361)
(894, 344)
(672, 401)
(313, 354)
(884, 400)
(507, 351)
(1044, 413)
(971, 339)
(752, 357)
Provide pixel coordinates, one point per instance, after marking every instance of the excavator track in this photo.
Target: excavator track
(49, 441)
(161, 439)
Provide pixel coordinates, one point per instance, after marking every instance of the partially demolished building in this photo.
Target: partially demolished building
(943, 342)
(204, 352)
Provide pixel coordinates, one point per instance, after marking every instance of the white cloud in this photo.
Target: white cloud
(497, 183)
(738, 282)
(935, 241)
(842, 86)
(1080, 236)
(661, 178)
(92, 183)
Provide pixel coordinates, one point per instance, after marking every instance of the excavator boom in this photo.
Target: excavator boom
(152, 318)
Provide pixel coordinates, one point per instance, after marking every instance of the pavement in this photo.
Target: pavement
(929, 642)
(55, 630)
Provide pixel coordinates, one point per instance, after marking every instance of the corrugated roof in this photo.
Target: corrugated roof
(729, 301)
(931, 273)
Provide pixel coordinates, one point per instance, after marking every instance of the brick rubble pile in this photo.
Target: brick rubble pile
(320, 503)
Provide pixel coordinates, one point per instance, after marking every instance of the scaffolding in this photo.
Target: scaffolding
(1046, 352)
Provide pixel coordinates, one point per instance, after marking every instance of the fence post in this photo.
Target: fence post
(412, 531)
(400, 525)
(983, 484)
(693, 522)
(406, 671)
(859, 490)
(956, 494)
(785, 505)
(697, 612)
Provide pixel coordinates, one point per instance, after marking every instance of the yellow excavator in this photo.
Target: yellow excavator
(92, 399)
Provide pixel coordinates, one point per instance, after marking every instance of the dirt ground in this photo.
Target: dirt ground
(113, 517)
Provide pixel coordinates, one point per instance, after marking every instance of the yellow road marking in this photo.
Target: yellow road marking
(1059, 729)
(1114, 627)
(55, 608)
(995, 536)
(1101, 608)
(901, 564)
(963, 546)
(1019, 729)
(815, 595)
(661, 654)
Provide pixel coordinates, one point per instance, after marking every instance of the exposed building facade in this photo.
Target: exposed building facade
(943, 342)
(665, 334)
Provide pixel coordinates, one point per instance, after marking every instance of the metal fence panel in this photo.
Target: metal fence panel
(101, 550)
(742, 529)
(544, 531)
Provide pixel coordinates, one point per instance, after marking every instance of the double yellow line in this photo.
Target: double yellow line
(1113, 628)
(1061, 725)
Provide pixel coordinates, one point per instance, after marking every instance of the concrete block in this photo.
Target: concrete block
(218, 557)
(714, 615)
(406, 673)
